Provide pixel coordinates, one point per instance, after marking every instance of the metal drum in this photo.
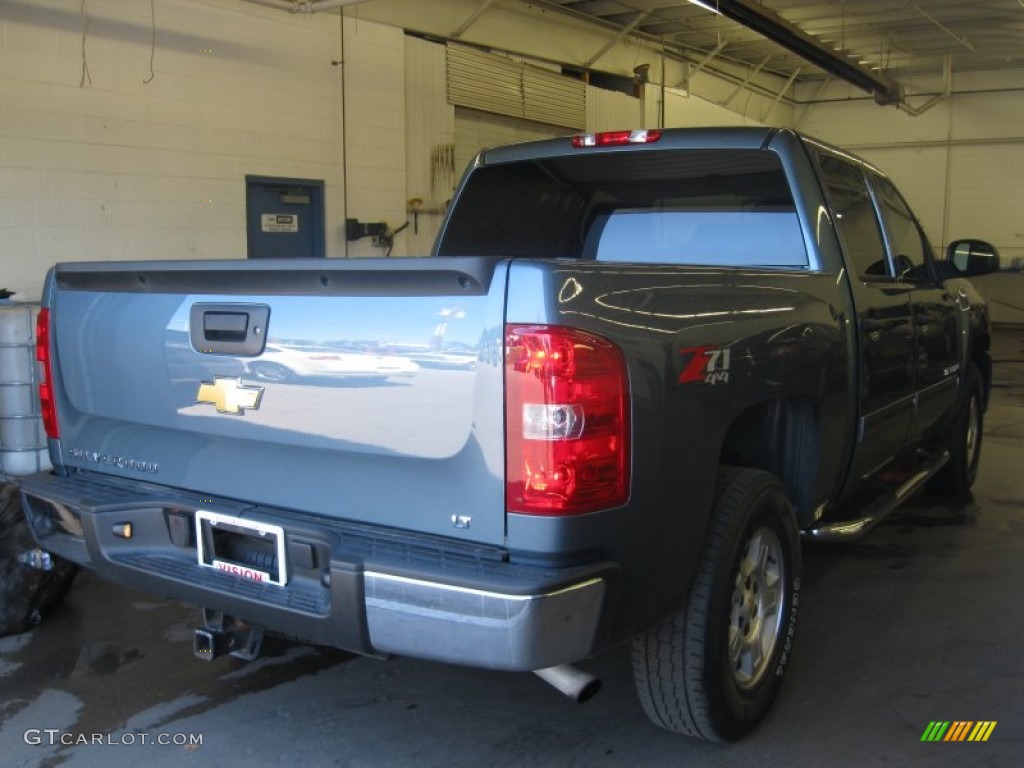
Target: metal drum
(22, 439)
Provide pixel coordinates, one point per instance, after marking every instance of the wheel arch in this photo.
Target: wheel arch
(781, 436)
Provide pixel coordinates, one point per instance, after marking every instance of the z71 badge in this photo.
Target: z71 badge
(708, 364)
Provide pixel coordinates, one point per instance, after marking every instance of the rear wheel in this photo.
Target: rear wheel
(26, 593)
(963, 441)
(712, 667)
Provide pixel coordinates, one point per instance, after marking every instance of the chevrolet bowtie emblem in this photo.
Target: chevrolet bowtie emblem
(229, 395)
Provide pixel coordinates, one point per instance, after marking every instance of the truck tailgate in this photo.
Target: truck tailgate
(368, 391)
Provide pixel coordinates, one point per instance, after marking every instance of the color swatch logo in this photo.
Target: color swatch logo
(958, 730)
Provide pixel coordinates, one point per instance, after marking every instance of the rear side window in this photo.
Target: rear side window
(855, 217)
(702, 207)
(908, 243)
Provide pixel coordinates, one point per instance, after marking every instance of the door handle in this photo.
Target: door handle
(225, 326)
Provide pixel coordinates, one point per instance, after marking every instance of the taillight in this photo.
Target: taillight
(615, 138)
(567, 421)
(46, 401)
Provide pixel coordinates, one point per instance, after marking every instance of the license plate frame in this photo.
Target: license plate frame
(207, 521)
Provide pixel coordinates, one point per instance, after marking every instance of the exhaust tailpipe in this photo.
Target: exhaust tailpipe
(578, 685)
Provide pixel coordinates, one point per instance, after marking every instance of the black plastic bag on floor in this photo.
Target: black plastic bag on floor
(26, 593)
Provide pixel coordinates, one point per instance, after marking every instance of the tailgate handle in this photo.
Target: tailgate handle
(229, 329)
(225, 326)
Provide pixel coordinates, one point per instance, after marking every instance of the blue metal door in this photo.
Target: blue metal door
(285, 217)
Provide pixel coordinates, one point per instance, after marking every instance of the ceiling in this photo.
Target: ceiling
(883, 42)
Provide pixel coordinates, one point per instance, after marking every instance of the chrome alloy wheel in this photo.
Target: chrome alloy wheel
(758, 603)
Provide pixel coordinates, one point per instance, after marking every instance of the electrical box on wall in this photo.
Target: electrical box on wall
(356, 229)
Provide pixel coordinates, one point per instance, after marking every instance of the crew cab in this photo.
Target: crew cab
(679, 352)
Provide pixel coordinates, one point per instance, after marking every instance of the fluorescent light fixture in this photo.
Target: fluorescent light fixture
(706, 6)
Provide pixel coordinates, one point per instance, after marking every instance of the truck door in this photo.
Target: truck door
(934, 310)
(885, 332)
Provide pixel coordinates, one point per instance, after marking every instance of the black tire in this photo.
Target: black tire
(963, 440)
(26, 594)
(685, 666)
(801, 452)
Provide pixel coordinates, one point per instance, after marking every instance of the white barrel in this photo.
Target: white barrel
(22, 438)
(18, 399)
(17, 364)
(19, 433)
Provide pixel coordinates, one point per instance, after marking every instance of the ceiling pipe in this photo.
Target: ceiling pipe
(811, 103)
(769, 24)
(947, 91)
(306, 6)
(326, 5)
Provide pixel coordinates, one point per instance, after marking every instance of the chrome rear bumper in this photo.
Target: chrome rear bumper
(480, 628)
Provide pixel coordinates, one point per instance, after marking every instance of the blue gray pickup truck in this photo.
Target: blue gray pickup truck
(638, 368)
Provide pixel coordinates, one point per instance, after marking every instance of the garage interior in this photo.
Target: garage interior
(152, 131)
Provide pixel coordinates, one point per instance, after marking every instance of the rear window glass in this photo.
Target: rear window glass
(702, 207)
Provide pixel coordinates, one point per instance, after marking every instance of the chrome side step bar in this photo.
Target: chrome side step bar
(845, 530)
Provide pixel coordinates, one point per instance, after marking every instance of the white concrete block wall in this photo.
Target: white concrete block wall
(613, 111)
(685, 110)
(430, 128)
(375, 124)
(121, 169)
(478, 130)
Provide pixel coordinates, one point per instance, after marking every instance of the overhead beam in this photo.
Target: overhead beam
(703, 63)
(778, 98)
(947, 90)
(746, 82)
(472, 19)
(615, 40)
(769, 24)
(960, 39)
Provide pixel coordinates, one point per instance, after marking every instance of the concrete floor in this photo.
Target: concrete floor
(920, 621)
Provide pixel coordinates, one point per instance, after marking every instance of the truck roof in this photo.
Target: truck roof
(726, 137)
(746, 137)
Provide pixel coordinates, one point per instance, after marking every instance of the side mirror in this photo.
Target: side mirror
(969, 258)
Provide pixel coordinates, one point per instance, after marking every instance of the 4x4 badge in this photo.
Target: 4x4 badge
(229, 395)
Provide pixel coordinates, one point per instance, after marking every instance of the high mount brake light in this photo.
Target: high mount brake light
(615, 138)
(567, 421)
(46, 400)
